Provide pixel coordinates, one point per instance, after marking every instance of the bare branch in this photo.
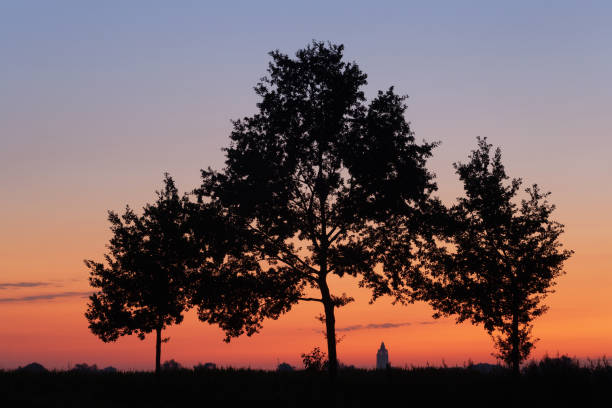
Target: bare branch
(311, 300)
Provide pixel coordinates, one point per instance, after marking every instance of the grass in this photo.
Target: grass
(549, 382)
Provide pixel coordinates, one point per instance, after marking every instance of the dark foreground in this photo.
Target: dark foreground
(560, 385)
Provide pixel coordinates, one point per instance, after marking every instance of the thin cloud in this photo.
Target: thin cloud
(9, 285)
(46, 296)
(374, 326)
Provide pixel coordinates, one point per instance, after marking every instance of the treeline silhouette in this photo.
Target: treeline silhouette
(559, 381)
(322, 182)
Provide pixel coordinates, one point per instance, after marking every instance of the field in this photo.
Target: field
(553, 382)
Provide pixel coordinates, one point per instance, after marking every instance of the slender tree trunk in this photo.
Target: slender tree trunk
(330, 328)
(515, 353)
(328, 304)
(158, 351)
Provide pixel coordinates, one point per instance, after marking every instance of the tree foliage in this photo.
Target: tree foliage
(501, 257)
(309, 178)
(315, 360)
(229, 287)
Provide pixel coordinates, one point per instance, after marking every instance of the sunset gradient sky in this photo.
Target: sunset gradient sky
(99, 99)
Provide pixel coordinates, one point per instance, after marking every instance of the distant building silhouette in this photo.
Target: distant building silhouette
(285, 367)
(85, 368)
(382, 357)
(33, 368)
(206, 366)
(171, 365)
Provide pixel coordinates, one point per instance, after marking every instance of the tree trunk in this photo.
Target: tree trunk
(328, 304)
(158, 351)
(330, 328)
(515, 353)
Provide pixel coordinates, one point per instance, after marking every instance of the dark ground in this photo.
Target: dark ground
(553, 384)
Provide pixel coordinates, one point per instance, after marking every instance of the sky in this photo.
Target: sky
(99, 99)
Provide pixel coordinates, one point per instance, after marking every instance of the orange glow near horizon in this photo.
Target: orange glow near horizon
(49, 246)
(54, 332)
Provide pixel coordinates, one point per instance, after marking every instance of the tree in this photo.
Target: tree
(144, 285)
(315, 360)
(308, 179)
(501, 257)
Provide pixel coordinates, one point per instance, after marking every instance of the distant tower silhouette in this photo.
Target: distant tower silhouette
(382, 357)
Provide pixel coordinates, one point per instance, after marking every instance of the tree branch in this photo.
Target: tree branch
(335, 235)
(284, 250)
(311, 300)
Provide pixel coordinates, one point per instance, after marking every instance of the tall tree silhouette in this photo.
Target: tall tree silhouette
(309, 177)
(143, 287)
(502, 257)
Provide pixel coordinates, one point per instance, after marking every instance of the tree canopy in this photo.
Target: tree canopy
(310, 177)
(228, 285)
